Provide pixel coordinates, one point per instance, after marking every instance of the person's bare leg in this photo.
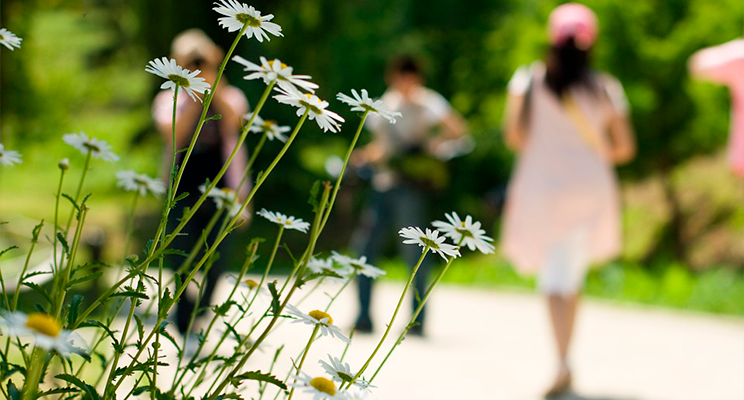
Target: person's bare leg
(562, 316)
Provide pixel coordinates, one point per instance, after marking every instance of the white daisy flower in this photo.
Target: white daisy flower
(134, 182)
(46, 331)
(319, 387)
(467, 231)
(97, 148)
(327, 120)
(176, 75)
(431, 238)
(224, 198)
(319, 318)
(9, 157)
(236, 15)
(9, 39)
(275, 70)
(319, 265)
(270, 128)
(365, 103)
(288, 222)
(357, 266)
(341, 372)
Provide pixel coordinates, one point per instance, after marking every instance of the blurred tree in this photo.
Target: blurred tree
(82, 61)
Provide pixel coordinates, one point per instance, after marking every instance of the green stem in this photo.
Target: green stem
(187, 216)
(343, 168)
(157, 253)
(34, 240)
(66, 274)
(252, 160)
(304, 356)
(178, 379)
(315, 232)
(33, 374)
(130, 224)
(119, 352)
(414, 315)
(221, 237)
(56, 220)
(392, 320)
(79, 189)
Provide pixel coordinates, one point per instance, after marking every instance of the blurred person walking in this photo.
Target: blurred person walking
(724, 64)
(193, 49)
(406, 160)
(569, 125)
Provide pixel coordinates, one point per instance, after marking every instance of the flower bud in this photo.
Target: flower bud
(64, 164)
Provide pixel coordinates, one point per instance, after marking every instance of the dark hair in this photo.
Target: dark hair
(568, 65)
(405, 64)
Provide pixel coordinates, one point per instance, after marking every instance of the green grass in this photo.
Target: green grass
(715, 290)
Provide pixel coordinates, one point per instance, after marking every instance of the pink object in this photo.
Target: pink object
(573, 20)
(724, 64)
(561, 185)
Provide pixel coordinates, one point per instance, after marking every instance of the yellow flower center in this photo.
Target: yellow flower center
(44, 324)
(283, 65)
(323, 385)
(179, 80)
(248, 19)
(319, 315)
(251, 283)
(428, 242)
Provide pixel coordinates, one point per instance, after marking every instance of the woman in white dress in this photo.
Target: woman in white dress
(569, 126)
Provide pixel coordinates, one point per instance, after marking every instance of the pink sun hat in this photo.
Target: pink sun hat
(572, 20)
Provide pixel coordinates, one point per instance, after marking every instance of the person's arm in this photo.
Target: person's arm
(623, 145)
(231, 104)
(514, 134)
(186, 115)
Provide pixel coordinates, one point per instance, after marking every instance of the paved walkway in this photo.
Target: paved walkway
(489, 344)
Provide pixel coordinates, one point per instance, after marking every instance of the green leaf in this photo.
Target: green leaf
(165, 303)
(258, 376)
(40, 290)
(313, 276)
(223, 308)
(275, 307)
(314, 192)
(139, 390)
(215, 117)
(72, 312)
(140, 330)
(132, 294)
(85, 278)
(57, 391)
(168, 336)
(232, 330)
(89, 390)
(13, 391)
(74, 204)
(92, 323)
(180, 197)
(7, 250)
(175, 252)
(36, 232)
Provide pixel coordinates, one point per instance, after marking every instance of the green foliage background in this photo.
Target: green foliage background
(81, 68)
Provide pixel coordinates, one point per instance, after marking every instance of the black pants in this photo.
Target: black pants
(386, 213)
(190, 236)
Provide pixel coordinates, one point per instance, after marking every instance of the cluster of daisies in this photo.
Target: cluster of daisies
(294, 90)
